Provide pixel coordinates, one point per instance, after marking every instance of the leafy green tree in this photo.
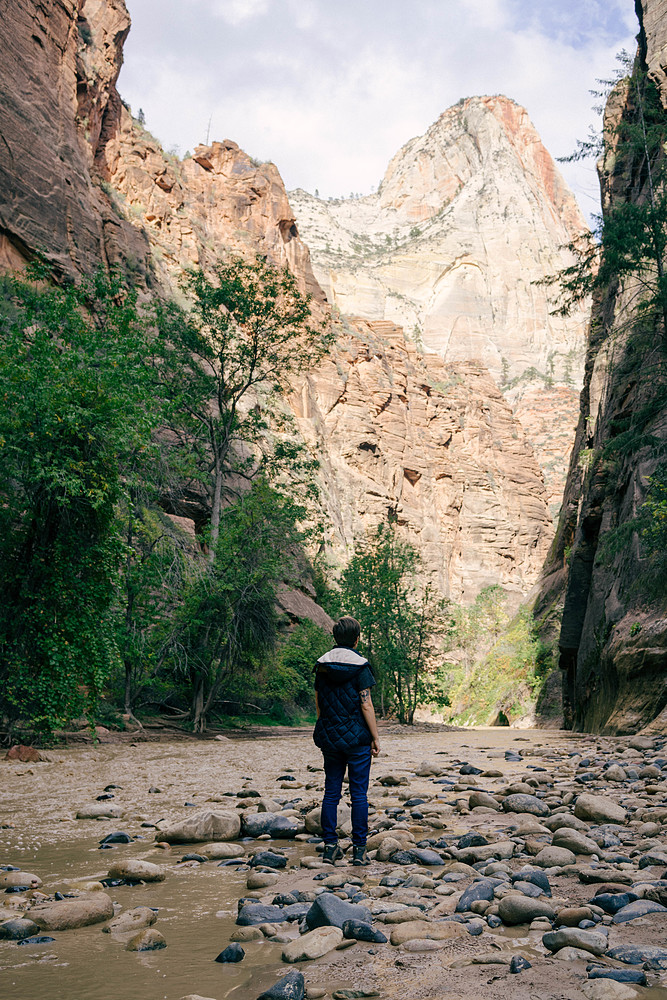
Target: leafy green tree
(630, 240)
(249, 335)
(289, 679)
(227, 621)
(400, 618)
(76, 411)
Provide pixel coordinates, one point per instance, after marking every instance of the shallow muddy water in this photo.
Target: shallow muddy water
(197, 905)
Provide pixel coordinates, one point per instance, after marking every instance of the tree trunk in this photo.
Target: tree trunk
(216, 507)
(198, 709)
(128, 689)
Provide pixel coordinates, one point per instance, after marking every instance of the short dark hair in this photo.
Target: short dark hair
(346, 631)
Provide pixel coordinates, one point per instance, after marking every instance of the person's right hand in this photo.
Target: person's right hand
(375, 747)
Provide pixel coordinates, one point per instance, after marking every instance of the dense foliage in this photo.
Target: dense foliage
(108, 410)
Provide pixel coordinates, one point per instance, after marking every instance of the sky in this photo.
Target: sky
(331, 89)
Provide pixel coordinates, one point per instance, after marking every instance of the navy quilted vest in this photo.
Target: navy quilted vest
(341, 724)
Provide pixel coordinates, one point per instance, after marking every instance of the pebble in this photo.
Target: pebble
(312, 945)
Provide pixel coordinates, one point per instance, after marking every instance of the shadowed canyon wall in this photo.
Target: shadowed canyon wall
(613, 638)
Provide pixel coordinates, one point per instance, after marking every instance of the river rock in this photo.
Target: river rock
(571, 916)
(561, 821)
(357, 930)
(387, 848)
(256, 914)
(426, 930)
(599, 808)
(99, 810)
(534, 875)
(614, 773)
(246, 934)
(17, 929)
(612, 902)
(343, 819)
(483, 799)
(574, 937)
(232, 953)
(575, 841)
(619, 975)
(203, 826)
(147, 940)
(639, 908)
(272, 824)
(658, 894)
(655, 956)
(503, 850)
(416, 945)
(570, 955)
(290, 987)
(314, 944)
(131, 920)
(24, 754)
(222, 851)
(554, 857)
(523, 803)
(482, 890)
(268, 859)
(20, 879)
(329, 910)
(516, 909)
(607, 989)
(67, 914)
(261, 880)
(139, 871)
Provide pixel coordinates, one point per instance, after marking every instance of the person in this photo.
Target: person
(346, 732)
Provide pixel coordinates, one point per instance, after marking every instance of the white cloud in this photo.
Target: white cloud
(237, 11)
(331, 90)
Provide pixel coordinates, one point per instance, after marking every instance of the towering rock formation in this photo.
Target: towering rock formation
(467, 218)
(400, 435)
(613, 638)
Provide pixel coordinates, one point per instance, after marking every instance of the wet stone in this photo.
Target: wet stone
(17, 929)
(270, 859)
(232, 953)
(329, 910)
(519, 964)
(146, 940)
(482, 890)
(639, 908)
(290, 987)
(651, 956)
(358, 930)
(618, 975)
(613, 902)
(573, 937)
(36, 939)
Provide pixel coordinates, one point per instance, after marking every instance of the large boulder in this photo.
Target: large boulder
(68, 914)
(599, 809)
(574, 937)
(575, 841)
(203, 826)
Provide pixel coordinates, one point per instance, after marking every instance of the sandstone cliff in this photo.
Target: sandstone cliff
(613, 638)
(467, 218)
(400, 435)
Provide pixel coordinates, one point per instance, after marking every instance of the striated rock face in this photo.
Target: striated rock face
(60, 62)
(403, 435)
(400, 434)
(613, 637)
(467, 218)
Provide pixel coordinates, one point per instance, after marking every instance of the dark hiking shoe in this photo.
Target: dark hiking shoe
(331, 854)
(359, 856)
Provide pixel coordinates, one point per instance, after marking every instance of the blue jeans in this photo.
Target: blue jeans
(357, 760)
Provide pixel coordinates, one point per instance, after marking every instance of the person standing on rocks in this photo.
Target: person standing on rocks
(346, 732)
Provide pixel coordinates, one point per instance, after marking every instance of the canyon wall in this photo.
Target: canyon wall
(467, 219)
(400, 435)
(613, 638)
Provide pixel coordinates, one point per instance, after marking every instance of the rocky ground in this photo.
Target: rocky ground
(532, 863)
